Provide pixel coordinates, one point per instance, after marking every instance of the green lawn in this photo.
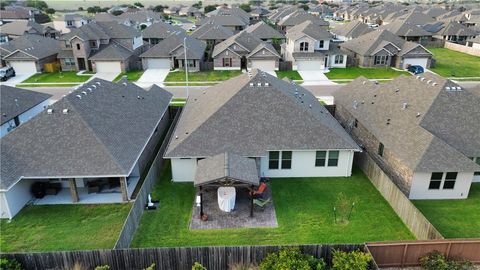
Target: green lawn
(132, 75)
(202, 76)
(455, 64)
(63, 227)
(454, 218)
(304, 213)
(47, 85)
(369, 73)
(291, 74)
(56, 77)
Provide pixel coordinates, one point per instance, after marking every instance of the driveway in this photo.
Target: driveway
(314, 77)
(105, 76)
(17, 79)
(153, 76)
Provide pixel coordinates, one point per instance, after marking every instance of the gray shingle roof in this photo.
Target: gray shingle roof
(211, 31)
(35, 45)
(310, 29)
(15, 101)
(437, 131)
(167, 47)
(141, 16)
(300, 16)
(102, 30)
(352, 29)
(18, 28)
(264, 31)
(403, 28)
(102, 134)
(449, 29)
(160, 30)
(241, 117)
(226, 167)
(71, 17)
(246, 40)
(112, 51)
(234, 11)
(225, 20)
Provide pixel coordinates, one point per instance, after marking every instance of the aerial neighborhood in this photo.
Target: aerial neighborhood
(240, 135)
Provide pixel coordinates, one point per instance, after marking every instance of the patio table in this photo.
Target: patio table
(226, 198)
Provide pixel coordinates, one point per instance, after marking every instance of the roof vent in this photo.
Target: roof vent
(94, 86)
(422, 79)
(65, 111)
(364, 82)
(176, 137)
(259, 84)
(418, 114)
(49, 111)
(404, 105)
(434, 84)
(98, 83)
(355, 104)
(397, 90)
(85, 93)
(266, 84)
(429, 81)
(125, 84)
(310, 106)
(418, 77)
(252, 84)
(79, 97)
(459, 88)
(447, 88)
(89, 89)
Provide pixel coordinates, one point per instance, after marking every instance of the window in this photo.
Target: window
(435, 180)
(303, 46)
(273, 160)
(332, 158)
(381, 59)
(78, 46)
(320, 158)
(227, 62)
(191, 63)
(69, 23)
(321, 44)
(69, 61)
(338, 59)
(93, 43)
(286, 159)
(450, 179)
(67, 44)
(381, 147)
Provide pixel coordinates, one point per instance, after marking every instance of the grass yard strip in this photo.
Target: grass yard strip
(191, 84)
(304, 208)
(291, 74)
(132, 75)
(454, 218)
(63, 227)
(46, 85)
(202, 76)
(455, 64)
(57, 77)
(369, 73)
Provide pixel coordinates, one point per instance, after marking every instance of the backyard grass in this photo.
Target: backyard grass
(455, 64)
(291, 74)
(132, 75)
(202, 76)
(46, 85)
(369, 73)
(454, 218)
(304, 213)
(63, 227)
(56, 77)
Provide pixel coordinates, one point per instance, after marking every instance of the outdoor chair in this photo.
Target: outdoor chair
(261, 203)
(258, 193)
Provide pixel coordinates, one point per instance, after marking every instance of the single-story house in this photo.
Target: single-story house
(408, 31)
(382, 48)
(19, 105)
(450, 31)
(18, 28)
(276, 123)
(69, 154)
(170, 53)
(409, 128)
(28, 53)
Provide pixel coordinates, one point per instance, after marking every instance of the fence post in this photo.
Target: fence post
(448, 250)
(404, 254)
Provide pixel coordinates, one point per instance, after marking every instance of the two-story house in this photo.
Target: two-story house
(245, 51)
(107, 47)
(68, 21)
(308, 47)
(298, 17)
(158, 31)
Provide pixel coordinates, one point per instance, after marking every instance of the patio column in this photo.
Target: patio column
(73, 189)
(123, 187)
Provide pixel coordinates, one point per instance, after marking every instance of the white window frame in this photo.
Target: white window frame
(338, 59)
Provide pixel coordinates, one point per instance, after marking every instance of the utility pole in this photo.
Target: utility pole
(185, 63)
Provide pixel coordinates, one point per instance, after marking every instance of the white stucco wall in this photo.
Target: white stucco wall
(421, 181)
(4, 212)
(303, 165)
(183, 170)
(17, 196)
(4, 129)
(137, 42)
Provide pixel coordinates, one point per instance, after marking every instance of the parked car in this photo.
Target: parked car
(415, 69)
(6, 73)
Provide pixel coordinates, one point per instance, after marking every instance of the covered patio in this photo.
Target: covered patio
(229, 171)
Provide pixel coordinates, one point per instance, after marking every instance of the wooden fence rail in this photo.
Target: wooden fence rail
(213, 258)
(401, 254)
(134, 216)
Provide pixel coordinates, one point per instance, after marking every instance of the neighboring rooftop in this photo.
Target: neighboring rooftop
(15, 101)
(30, 46)
(264, 31)
(352, 29)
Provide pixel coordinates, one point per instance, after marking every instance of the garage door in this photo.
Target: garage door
(24, 67)
(415, 61)
(158, 63)
(310, 65)
(264, 65)
(108, 67)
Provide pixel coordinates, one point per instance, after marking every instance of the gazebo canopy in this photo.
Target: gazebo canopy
(227, 169)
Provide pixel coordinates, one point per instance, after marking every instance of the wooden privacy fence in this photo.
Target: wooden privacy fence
(134, 216)
(408, 213)
(462, 48)
(400, 254)
(213, 258)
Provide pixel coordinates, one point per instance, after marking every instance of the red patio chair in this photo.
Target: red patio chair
(259, 191)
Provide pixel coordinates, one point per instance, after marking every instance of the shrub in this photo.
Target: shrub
(355, 260)
(435, 260)
(151, 267)
(6, 264)
(198, 266)
(102, 267)
(291, 259)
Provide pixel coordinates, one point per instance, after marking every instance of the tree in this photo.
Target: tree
(117, 12)
(138, 4)
(315, 2)
(246, 7)
(305, 7)
(197, 5)
(50, 11)
(80, 9)
(210, 8)
(159, 8)
(41, 5)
